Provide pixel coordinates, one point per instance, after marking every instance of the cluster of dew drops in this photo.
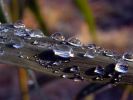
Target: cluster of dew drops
(115, 73)
(64, 50)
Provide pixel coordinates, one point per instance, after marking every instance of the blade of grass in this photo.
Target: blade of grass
(36, 85)
(89, 89)
(126, 93)
(14, 10)
(33, 5)
(22, 72)
(4, 16)
(23, 84)
(85, 9)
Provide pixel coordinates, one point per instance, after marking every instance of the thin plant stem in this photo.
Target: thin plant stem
(126, 93)
(86, 11)
(37, 87)
(23, 84)
(5, 12)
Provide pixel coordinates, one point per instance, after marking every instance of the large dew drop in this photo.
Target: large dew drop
(74, 42)
(121, 67)
(91, 46)
(63, 51)
(36, 33)
(19, 24)
(91, 53)
(58, 36)
(109, 53)
(128, 56)
(20, 32)
(16, 43)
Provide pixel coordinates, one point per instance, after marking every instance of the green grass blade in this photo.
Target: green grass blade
(85, 9)
(32, 4)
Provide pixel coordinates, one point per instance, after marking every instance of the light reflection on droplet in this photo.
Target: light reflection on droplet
(20, 32)
(91, 53)
(74, 69)
(128, 56)
(19, 24)
(121, 67)
(91, 46)
(16, 43)
(109, 53)
(64, 76)
(36, 33)
(99, 70)
(58, 36)
(74, 42)
(63, 51)
(35, 42)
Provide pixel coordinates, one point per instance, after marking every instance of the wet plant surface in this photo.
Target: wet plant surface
(60, 57)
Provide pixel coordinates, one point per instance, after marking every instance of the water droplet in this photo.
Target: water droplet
(55, 71)
(56, 63)
(17, 46)
(109, 53)
(110, 75)
(99, 50)
(121, 67)
(116, 78)
(20, 32)
(64, 76)
(19, 24)
(91, 53)
(99, 70)
(63, 51)
(6, 28)
(119, 76)
(77, 78)
(58, 36)
(21, 56)
(3, 41)
(3, 36)
(1, 52)
(74, 42)
(35, 42)
(97, 78)
(74, 69)
(36, 33)
(27, 57)
(91, 46)
(128, 56)
(16, 43)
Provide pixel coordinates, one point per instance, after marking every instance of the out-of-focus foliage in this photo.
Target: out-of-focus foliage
(3, 18)
(32, 4)
(16, 9)
(83, 6)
